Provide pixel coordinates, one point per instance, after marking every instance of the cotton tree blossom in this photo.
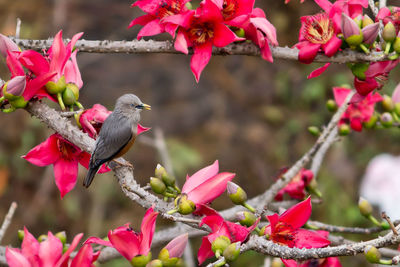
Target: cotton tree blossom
(285, 229)
(49, 253)
(357, 112)
(128, 243)
(296, 187)
(92, 119)
(64, 156)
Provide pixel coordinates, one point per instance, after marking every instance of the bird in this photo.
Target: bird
(117, 134)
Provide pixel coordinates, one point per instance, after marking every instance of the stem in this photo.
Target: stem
(374, 220)
(9, 110)
(2, 99)
(169, 195)
(364, 48)
(177, 189)
(60, 101)
(79, 105)
(172, 211)
(219, 264)
(218, 254)
(387, 49)
(385, 262)
(250, 208)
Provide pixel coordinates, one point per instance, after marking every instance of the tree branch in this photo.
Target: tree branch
(7, 220)
(244, 48)
(344, 229)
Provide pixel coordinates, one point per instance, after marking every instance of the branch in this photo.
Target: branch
(7, 220)
(343, 229)
(373, 7)
(244, 48)
(269, 195)
(319, 156)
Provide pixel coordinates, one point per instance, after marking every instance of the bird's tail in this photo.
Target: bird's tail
(90, 175)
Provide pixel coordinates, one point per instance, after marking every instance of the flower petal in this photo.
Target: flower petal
(14, 65)
(181, 43)
(307, 53)
(142, 20)
(65, 257)
(45, 153)
(200, 58)
(59, 54)
(297, 215)
(35, 87)
(147, 231)
(177, 246)
(65, 172)
(200, 177)
(99, 241)
(267, 28)
(50, 251)
(84, 258)
(125, 241)
(319, 71)
(396, 94)
(340, 94)
(30, 247)
(332, 46)
(16, 259)
(71, 71)
(224, 36)
(205, 251)
(309, 239)
(34, 62)
(6, 44)
(154, 27)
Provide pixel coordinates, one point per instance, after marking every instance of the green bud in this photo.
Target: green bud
(68, 97)
(75, 89)
(246, 218)
(387, 103)
(396, 45)
(365, 207)
(331, 105)
(386, 120)
(157, 185)
(65, 248)
(184, 205)
(367, 21)
(62, 236)
(166, 260)
(240, 32)
(372, 254)
(189, 5)
(354, 40)
(358, 70)
(344, 129)
(155, 263)
(180, 263)
(162, 174)
(56, 87)
(42, 238)
(389, 32)
(168, 179)
(385, 225)
(236, 193)
(371, 123)
(231, 253)
(21, 235)
(159, 171)
(14, 88)
(141, 261)
(19, 102)
(314, 130)
(220, 243)
(397, 109)
(312, 187)
(262, 231)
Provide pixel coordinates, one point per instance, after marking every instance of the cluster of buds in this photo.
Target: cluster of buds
(12, 92)
(366, 211)
(67, 93)
(163, 183)
(359, 33)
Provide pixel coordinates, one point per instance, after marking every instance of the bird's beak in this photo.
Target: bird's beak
(147, 107)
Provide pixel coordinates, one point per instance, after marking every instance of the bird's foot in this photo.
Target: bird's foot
(122, 164)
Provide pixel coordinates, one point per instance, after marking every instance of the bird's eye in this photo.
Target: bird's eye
(139, 106)
(132, 105)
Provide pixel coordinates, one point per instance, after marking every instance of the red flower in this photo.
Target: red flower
(64, 156)
(285, 229)
(49, 253)
(357, 112)
(157, 10)
(206, 184)
(128, 243)
(295, 189)
(92, 119)
(220, 227)
(201, 29)
(317, 32)
(390, 15)
(375, 76)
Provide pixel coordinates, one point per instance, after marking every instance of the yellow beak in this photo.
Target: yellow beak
(146, 107)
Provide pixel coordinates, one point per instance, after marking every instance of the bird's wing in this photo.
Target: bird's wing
(115, 134)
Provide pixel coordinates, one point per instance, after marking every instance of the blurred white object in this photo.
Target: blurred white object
(381, 184)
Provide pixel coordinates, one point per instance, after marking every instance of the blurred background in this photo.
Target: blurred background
(248, 113)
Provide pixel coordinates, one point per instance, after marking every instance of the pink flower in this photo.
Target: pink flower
(375, 76)
(64, 156)
(390, 15)
(49, 253)
(316, 33)
(206, 184)
(357, 112)
(157, 10)
(201, 30)
(92, 119)
(220, 227)
(177, 246)
(296, 188)
(396, 94)
(6, 44)
(285, 229)
(128, 243)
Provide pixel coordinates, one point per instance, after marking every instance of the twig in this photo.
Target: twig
(382, 3)
(387, 218)
(343, 229)
(7, 220)
(373, 7)
(69, 114)
(218, 262)
(269, 195)
(319, 156)
(18, 28)
(244, 48)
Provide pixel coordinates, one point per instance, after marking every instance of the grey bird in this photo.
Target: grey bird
(117, 134)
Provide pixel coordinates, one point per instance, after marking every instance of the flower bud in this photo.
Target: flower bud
(331, 105)
(396, 45)
(397, 109)
(56, 87)
(171, 253)
(14, 87)
(344, 129)
(236, 193)
(189, 5)
(371, 123)
(386, 120)
(157, 185)
(75, 89)
(166, 260)
(68, 97)
(262, 231)
(62, 236)
(6, 44)
(141, 261)
(21, 235)
(351, 31)
(365, 207)
(168, 179)
(240, 32)
(19, 102)
(42, 238)
(370, 33)
(387, 103)
(245, 218)
(314, 130)
(184, 205)
(312, 187)
(366, 21)
(372, 254)
(385, 225)
(358, 70)
(162, 174)
(154, 263)
(231, 253)
(389, 32)
(220, 243)
(159, 171)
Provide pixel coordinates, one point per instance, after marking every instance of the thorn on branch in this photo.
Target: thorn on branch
(387, 218)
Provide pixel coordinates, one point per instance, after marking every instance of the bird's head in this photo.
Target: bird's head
(131, 104)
